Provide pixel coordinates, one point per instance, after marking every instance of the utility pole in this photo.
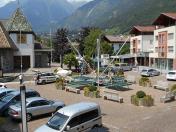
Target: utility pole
(51, 48)
(98, 61)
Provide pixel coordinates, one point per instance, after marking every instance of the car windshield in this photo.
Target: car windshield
(171, 73)
(7, 98)
(57, 121)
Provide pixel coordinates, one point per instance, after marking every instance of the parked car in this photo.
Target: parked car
(35, 106)
(123, 66)
(5, 91)
(81, 117)
(150, 72)
(46, 77)
(2, 85)
(171, 75)
(13, 98)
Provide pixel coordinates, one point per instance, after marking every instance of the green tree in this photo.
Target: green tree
(70, 60)
(91, 43)
(60, 44)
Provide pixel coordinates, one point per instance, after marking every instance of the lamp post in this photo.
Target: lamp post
(98, 61)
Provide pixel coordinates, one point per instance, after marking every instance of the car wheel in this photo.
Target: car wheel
(28, 117)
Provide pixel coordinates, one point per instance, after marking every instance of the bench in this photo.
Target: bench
(168, 97)
(162, 85)
(71, 89)
(131, 79)
(111, 95)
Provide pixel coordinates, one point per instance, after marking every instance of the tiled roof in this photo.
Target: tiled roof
(5, 40)
(171, 15)
(116, 39)
(18, 22)
(143, 29)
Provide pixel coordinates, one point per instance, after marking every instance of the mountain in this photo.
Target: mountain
(119, 14)
(40, 13)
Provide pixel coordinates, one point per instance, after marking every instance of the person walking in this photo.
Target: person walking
(21, 78)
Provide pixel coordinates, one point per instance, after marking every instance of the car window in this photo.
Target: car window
(44, 102)
(34, 104)
(74, 122)
(17, 98)
(144, 70)
(88, 116)
(171, 73)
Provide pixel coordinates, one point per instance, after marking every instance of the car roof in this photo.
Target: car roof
(18, 91)
(34, 99)
(77, 108)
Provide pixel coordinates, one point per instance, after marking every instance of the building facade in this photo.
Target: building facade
(164, 55)
(17, 44)
(141, 44)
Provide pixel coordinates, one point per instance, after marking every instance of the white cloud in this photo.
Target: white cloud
(4, 2)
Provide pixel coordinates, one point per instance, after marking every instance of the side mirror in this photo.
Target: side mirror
(67, 128)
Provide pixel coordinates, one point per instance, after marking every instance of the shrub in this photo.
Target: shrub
(86, 91)
(60, 83)
(120, 73)
(140, 94)
(173, 89)
(135, 100)
(144, 81)
(92, 88)
(148, 101)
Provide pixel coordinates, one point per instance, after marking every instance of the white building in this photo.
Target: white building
(164, 55)
(141, 44)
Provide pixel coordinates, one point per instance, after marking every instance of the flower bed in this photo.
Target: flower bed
(141, 99)
(145, 82)
(91, 91)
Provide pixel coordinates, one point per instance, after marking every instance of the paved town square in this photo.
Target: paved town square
(117, 117)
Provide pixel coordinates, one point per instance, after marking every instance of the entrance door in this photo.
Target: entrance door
(25, 62)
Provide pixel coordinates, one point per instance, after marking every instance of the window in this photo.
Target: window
(171, 49)
(23, 38)
(156, 49)
(156, 38)
(170, 36)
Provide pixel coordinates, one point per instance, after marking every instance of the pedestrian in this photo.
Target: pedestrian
(37, 79)
(21, 78)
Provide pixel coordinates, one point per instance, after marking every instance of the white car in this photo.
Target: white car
(46, 77)
(171, 75)
(2, 85)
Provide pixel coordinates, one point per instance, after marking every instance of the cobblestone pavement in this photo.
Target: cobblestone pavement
(116, 117)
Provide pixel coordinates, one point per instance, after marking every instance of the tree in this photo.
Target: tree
(70, 60)
(60, 45)
(83, 33)
(91, 43)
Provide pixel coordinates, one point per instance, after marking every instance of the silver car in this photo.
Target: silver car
(35, 106)
(150, 72)
(46, 77)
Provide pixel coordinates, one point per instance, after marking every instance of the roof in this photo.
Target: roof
(39, 45)
(18, 22)
(165, 18)
(77, 108)
(5, 40)
(142, 29)
(116, 39)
